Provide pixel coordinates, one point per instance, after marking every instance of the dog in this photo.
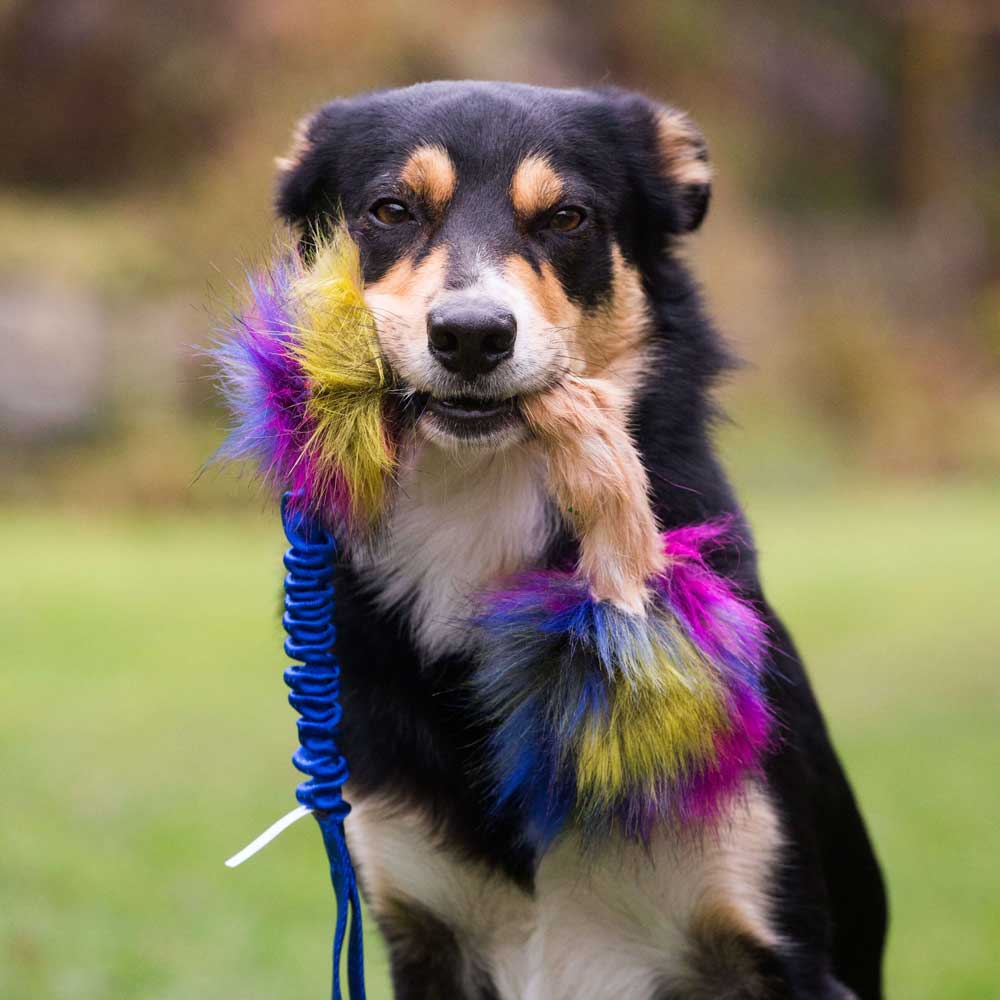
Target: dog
(513, 237)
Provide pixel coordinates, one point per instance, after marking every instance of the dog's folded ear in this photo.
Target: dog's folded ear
(683, 157)
(307, 186)
(669, 158)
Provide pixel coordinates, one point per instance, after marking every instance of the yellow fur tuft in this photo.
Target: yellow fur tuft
(660, 725)
(337, 348)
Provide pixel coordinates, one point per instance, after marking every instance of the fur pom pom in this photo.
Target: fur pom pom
(618, 721)
(301, 372)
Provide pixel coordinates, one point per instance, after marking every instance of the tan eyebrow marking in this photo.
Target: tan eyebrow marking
(535, 187)
(683, 152)
(430, 173)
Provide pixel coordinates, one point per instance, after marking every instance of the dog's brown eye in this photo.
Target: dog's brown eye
(566, 219)
(390, 213)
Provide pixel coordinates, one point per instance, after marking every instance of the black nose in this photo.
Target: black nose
(471, 338)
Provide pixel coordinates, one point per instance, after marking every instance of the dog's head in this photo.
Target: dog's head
(505, 231)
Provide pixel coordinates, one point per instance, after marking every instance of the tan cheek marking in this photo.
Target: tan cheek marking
(604, 342)
(545, 291)
(600, 485)
(612, 336)
(395, 281)
(430, 174)
(406, 281)
(682, 149)
(429, 276)
(563, 316)
(535, 187)
(399, 301)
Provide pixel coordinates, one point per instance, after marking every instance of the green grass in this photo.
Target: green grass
(144, 737)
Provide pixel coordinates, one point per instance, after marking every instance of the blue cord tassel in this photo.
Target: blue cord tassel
(315, 694)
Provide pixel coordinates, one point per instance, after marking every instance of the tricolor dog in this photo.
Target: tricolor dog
(520, 250)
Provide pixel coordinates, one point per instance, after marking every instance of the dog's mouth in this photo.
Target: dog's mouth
(470, 418)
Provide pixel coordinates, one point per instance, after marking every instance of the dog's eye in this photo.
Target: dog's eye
(567, 219)
(389, 212)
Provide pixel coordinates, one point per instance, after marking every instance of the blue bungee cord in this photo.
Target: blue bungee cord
(315, 694)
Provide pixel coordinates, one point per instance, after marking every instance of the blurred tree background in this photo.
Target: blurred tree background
(851, 254)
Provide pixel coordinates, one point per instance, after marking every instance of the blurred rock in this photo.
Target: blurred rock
(55, 345)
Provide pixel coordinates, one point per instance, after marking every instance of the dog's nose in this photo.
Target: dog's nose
(471, 338)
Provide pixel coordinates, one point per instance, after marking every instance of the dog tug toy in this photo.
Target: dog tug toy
(626, 691)
(302, 374)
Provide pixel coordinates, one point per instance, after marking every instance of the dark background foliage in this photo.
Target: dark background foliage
(851, 255)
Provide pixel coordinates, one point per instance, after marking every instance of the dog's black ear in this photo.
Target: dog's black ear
(307, 186)
(669, 157)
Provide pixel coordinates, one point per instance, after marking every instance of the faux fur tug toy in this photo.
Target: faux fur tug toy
(626, 691)
(617, 720)
(307, 387)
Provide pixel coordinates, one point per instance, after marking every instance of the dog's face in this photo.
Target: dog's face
(504, 234)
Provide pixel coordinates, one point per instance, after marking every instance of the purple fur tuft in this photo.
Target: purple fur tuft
(267, 394)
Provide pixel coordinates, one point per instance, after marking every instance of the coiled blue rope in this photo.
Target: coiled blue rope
(315, 694)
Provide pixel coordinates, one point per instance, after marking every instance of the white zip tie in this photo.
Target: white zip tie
(268, 835)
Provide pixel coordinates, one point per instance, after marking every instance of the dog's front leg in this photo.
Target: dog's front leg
(426, 958)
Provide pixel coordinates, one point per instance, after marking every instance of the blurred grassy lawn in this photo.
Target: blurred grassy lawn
(144, 737)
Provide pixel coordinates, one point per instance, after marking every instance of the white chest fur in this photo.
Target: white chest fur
(459, 521)
(618, 923)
